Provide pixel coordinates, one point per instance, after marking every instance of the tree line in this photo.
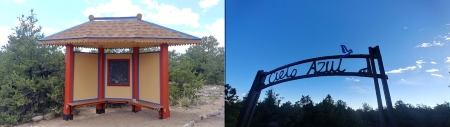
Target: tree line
(270, 112)
(32, 75)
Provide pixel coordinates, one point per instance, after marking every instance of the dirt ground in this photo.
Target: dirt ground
(217, 121)
(211, 96)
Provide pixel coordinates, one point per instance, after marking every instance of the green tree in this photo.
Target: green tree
(185, 81)
(121, 50)
(208, 59)
(77, 49)
(32, 77)
(141, 50)
(270, 113)
(232, 106)
(93, 51)
(151, 49)
(266, 110)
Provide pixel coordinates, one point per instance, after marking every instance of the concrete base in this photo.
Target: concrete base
(67, 117)
(99, 111)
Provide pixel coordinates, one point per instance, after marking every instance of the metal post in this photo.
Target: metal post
(387, 95)
(250, 103)
(377, 86)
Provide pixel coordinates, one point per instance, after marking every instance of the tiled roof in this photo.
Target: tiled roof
(119, 32)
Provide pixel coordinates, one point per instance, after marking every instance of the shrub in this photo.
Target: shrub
(31, 76)
(186, 82)
(184, 102)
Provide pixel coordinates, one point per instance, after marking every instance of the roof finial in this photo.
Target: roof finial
(139, 16)
(91, 17)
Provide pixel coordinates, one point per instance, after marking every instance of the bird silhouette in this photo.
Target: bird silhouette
(345, 50)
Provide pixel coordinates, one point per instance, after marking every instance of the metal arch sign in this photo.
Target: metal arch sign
(319, 68)
(316, 69)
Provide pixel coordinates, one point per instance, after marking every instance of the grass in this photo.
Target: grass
(77, 111)
(215, 97)
(184, 102)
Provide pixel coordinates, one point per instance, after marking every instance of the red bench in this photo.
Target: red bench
(91, 102)
(147, 105)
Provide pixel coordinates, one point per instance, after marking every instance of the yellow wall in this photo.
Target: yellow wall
(149, 81)
(85, 84)
(118, 91)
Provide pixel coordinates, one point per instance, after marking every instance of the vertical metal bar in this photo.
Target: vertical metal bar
(369, 66)
(259, 88)
(250, 102)
(387, 95)
(377, 86)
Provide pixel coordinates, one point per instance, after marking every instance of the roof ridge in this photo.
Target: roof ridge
(137, 17)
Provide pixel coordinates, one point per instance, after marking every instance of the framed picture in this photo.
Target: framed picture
(118, 72)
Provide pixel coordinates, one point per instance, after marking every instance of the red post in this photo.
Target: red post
(135, 77)
(100, 108)
(164, 75)
(67, 114)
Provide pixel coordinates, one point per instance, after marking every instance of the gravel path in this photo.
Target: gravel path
(217, 121)
(124, 117)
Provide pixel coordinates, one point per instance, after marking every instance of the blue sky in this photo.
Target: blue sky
(413, 36)
(198, 17)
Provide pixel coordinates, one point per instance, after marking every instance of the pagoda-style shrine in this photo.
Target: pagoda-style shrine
(140, 79)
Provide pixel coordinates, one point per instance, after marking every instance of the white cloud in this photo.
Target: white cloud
(198, 33)
(435, 43)
(67, 25)
(448, 60)
(179, 49)
(205, 4)
(48, 31)
(114, 8)
(169, 14)
(437, 75)
(4, 32)
(405, 27)
(217, 29)
(424, 45)
(88, 2)
(160, 13)
(352, 79)
(19, 1)
(18, 23)
(438, 43)
(419, 63)
(432, 70)
(182, 49)
(432, 62)
(400, 70)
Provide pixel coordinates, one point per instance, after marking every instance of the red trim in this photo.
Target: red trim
(101, 51)
(135, 76)
(164, 79)
(101, 76)
(68, 79)
(108, 79)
